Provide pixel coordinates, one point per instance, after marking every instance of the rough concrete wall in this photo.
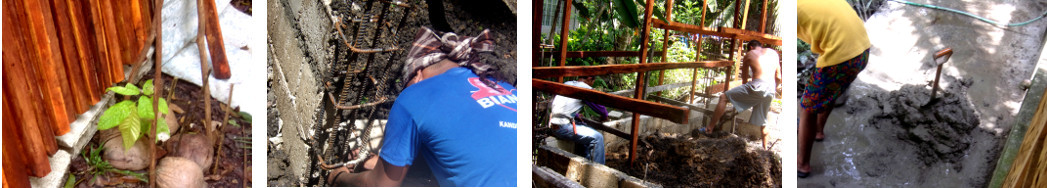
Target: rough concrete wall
(297, 89)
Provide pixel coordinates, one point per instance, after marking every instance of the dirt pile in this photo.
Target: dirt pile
(722, 160)
(940, 129)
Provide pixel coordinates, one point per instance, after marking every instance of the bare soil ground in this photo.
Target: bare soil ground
(234, 167)
(718, 160)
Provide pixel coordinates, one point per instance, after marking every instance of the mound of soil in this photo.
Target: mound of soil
(941, 129)
(722, 160)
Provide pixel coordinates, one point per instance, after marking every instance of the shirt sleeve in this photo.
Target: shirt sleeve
(600, 109)
(399, 140)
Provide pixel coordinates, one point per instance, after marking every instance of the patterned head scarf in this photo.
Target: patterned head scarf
(430, 48)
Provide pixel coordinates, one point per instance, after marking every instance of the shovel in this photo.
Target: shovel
(940, 58)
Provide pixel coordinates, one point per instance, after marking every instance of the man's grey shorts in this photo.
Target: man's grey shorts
(757, 95)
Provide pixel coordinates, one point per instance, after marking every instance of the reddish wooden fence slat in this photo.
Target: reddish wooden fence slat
(59, 56)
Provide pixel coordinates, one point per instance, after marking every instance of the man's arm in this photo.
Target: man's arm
(383, 175)
(746, 61)
(600, 109)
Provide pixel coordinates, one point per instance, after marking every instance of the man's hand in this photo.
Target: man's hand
(383, 175)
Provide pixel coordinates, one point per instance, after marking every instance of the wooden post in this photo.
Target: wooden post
(705, 4)
(536, 32)
(97, 31)
(116, 64)
(15, 165)
(640, 77)
(763, 18)
(694, 74)
(23, 112)
(745, 14)
(564, 36)
(665, 42)
(45, 65)
(85, 51)
(204, 72)
(71, 65)
(158, 83)
(536, 50)
(213, 32)
(556, 20)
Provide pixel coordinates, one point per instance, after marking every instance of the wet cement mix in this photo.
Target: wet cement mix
(234, 166)
(717, 160)
(361, 78)
(941, 128)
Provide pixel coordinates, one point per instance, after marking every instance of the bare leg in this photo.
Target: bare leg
(763, 139)
(822, 118)
(716, 114)
(806, 138)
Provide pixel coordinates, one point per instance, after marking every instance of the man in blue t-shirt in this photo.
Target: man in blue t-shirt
(461, 124)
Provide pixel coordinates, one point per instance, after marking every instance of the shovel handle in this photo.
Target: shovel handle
(947, 52)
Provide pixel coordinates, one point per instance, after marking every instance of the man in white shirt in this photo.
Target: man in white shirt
(588, 142)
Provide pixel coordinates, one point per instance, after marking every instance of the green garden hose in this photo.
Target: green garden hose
(972, 15)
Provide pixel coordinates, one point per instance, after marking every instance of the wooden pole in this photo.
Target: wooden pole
(763, 18)
(640, 77)
(215, 44)
(665, 42)
(84, 51)
(113, 42)
(745, 14)
(536, 32)
(204, 70)
(705, 4)
(45, 66)
(21, 94)
(549, 72)
(15, 165)
(158, 83)
(97, 31)
(564, 36)
(555, 22)
(638, 106)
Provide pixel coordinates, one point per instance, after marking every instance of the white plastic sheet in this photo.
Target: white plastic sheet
(181, 57)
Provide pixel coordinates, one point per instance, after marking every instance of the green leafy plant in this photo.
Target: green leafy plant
(100, 167)
(134, 118)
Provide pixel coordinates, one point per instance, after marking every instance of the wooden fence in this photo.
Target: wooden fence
(1030, 165)
(59, 56)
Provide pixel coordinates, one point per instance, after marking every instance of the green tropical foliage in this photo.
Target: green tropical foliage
(134, 117)
(616, 25)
